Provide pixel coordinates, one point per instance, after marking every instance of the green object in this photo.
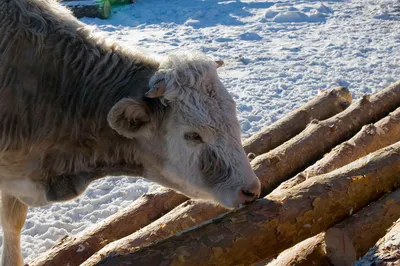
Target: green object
(105, 10)
(120, 2)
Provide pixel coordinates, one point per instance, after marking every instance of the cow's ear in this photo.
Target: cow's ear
(129, 117)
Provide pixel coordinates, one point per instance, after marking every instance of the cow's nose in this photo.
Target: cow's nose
(249, 193)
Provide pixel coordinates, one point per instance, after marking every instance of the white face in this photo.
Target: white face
(196, 148)
(204, 153)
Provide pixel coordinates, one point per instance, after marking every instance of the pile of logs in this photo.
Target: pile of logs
(330, 174)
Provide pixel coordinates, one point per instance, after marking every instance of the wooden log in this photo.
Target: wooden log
(323, 106)
(90, 8)
(318, 138)
(268, 226)
(186, 215)
(73, 250)
(371, 138)
(346, 241)
(386, 251)
(308, 252)
(350, 239)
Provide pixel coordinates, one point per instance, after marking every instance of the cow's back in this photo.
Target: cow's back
(29, 69)
(56, 79)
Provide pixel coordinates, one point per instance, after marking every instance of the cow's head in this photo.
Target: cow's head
(188, 133)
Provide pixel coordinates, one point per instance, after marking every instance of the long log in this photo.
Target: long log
(386, 252)
(268, 226)
(327, 103)
(323, 106)
(347, 240)
(350, 239)
(319, 137)
(73, 250)
(371, 138)
(186, 215)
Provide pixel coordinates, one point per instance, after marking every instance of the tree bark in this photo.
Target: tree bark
(186, 215)
(344, 242)
(323, 106)
(386, 252)
(371, 138)
(350, 239)
(318, 138)
(268, 226)
(72, 250)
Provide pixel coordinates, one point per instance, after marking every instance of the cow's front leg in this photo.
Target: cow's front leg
(13, 215)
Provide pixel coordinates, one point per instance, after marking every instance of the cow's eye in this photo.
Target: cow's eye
(193, 137)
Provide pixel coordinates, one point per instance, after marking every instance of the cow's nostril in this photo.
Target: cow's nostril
(248, 193)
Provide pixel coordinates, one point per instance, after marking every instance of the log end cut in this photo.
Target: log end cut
(340, 248)
(306, 253)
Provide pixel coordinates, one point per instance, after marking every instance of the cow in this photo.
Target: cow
(75, 107)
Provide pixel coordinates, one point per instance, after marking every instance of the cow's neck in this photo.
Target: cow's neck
(83, 133)
(94, 93)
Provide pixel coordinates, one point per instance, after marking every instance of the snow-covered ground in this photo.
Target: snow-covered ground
(277, 55)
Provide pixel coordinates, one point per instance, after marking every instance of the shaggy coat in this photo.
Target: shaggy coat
(75, 108)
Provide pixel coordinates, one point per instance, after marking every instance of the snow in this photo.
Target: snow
(277, 54)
